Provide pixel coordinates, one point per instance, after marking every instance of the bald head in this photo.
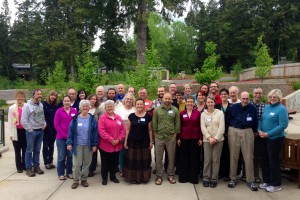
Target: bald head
(121, 89)
(245, 98)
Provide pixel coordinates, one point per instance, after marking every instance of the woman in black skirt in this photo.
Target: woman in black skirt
(138, 144)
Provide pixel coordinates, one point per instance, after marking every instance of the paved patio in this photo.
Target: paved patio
(15, 186)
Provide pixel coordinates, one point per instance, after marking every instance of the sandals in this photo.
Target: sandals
(158, 180)
(171, 180)
(70, 176)
(62, 178)
(47, 167)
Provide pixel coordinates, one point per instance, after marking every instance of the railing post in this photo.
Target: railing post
(2, 135)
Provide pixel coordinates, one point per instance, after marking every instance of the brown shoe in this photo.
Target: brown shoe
(30, 173)
(38, 170)
(84, 183)
(74, 185)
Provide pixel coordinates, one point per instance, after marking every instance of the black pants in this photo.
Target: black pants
(257, 155)
(94, 162)
(20, 149)
(271, 170)
(225, 160)
(48, 147)
(189, 160)
(109, 163)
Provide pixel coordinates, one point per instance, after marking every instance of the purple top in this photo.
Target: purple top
(62, 121)
(190, 126)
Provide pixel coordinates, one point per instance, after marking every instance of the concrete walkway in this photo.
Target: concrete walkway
(14, 186)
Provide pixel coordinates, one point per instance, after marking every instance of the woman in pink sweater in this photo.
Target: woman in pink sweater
(62, 119)
(111, 129)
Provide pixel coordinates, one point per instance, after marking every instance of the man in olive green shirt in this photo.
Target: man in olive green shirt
(165, 125)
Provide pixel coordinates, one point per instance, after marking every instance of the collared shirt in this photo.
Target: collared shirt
(259, 107)
(166, 122)
(242, 117)
(120, 97)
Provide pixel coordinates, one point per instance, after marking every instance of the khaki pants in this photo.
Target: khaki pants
(212, 155)
(241, 139)
(159, 153)
(81, 163)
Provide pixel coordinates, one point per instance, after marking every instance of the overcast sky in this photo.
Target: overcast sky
(12, 8)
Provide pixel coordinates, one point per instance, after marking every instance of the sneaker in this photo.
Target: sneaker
(30, 173)
(38, 170)
(263, 185)
(213, 183)
(232, 183)
(205, 183)
(252, 186)
(273, 188)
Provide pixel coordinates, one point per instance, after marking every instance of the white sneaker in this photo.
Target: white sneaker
(273, 188)
(263, 185)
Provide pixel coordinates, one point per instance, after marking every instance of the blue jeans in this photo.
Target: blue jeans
(62, 154)
(34, 142)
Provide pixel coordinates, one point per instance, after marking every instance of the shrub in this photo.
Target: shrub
(296, 85)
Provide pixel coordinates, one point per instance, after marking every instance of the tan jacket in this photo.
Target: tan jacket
(213, 125)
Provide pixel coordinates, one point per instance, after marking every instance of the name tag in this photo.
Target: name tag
(119, 122)
(209, 119)
(170, 111)
(146, 103)
(158, 104)
(143, 119)
(184, 116)
(272, 114)
(72, 114)
(249, 119)
(79, 124)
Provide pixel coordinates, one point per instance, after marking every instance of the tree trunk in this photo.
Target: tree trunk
(72, 68)
(141, 31)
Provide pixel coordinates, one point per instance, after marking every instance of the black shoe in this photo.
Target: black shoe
(226, 179)
(115, 180)
(252, 186)
(205, 183)
(20, 171)
(104, 182)
(213, 183)
(91, 174)
(232, 183)
(154, 172)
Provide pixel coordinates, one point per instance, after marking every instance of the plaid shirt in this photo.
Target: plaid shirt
(259, 107)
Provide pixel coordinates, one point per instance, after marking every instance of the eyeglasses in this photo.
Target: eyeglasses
(273, 97)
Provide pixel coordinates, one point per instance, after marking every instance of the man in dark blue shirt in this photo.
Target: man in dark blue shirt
(242, 126)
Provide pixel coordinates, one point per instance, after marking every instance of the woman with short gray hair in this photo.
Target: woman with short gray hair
(273, 122)
(82, 141)
(111, 129)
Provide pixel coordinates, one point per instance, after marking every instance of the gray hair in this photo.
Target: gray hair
(277, 92)
(109, 102)
(234, 88)
(84, 102)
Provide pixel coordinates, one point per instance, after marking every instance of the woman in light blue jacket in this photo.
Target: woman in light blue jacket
(271, 127)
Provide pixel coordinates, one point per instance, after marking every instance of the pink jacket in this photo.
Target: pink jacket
(111, 129)
(62, 121)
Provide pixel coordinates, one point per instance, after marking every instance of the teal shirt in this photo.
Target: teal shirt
(274, 120)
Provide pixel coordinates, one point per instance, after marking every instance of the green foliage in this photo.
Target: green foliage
(87, 72)
(209, 71)
(263, 59)
(296, 85)
(237, 69)
(56, 79)
(5, 83)
(2, 102)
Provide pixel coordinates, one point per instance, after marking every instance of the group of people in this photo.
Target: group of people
(214, 133)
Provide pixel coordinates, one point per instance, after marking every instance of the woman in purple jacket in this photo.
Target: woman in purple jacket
(62, 119)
